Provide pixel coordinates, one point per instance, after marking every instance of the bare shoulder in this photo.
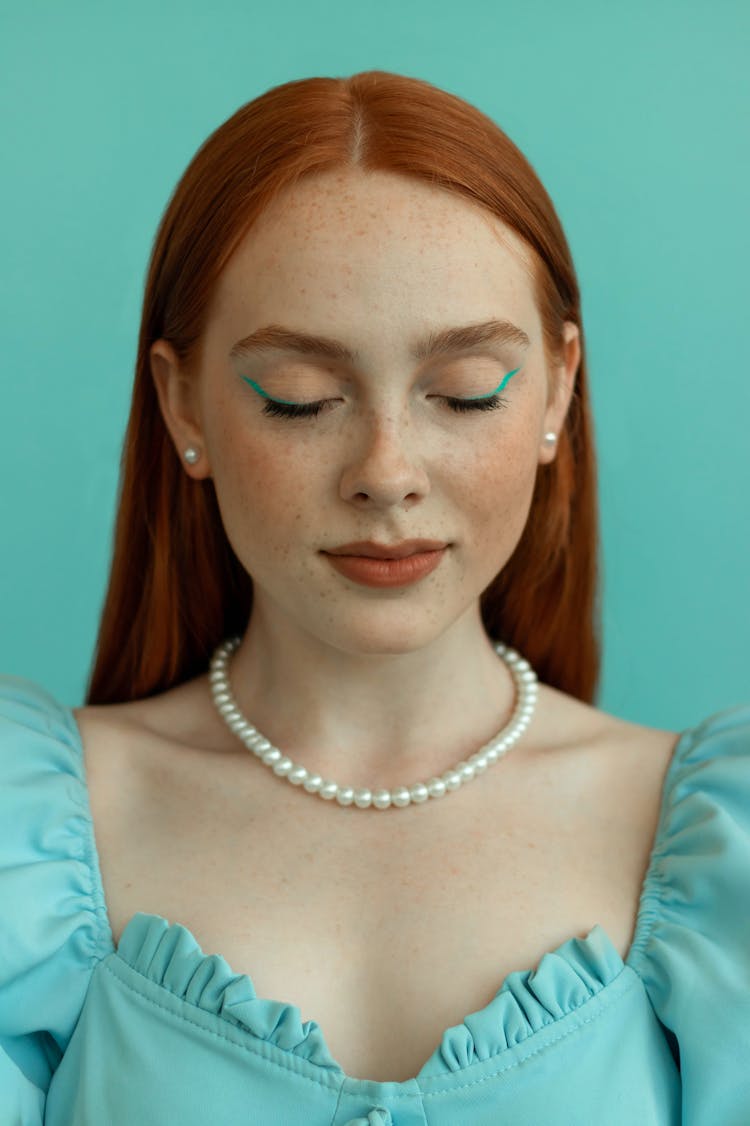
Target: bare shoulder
(126, 745)
(146, 760)
(616, 754)
(170, 725)
(179, 714)
(580, 791)
(568, 711)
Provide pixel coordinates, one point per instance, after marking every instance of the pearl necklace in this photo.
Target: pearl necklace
(527, 689)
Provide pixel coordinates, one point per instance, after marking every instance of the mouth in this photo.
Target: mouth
(376, 571)
(372, 550)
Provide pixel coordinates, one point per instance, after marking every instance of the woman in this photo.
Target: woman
(357, 536)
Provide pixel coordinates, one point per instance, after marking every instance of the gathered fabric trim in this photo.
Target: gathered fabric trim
(169, 955)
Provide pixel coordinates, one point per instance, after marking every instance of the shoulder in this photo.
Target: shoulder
(38, 741)
(181, 715)
(693, 953)
(606, 744)
(54, 923)
(706, 762)
(142, 754)
(27, 707)
(131, 749)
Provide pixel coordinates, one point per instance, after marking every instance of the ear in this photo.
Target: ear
(178, 402)
(565, 377)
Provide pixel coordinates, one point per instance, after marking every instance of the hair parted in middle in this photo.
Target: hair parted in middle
(176, 588)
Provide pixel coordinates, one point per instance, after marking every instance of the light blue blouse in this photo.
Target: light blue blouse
(156, 1031)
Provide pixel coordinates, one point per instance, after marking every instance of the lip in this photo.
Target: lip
(386, 551)
(369, 571)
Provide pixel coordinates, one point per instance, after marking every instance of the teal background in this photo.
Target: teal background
(635, 118)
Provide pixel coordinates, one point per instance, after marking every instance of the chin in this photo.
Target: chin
(403, 634)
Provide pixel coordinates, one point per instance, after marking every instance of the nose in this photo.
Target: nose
(384, 465)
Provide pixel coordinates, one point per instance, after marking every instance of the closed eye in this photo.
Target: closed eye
(486, 403)
(295, 410)
(284, 409)
(310, 410)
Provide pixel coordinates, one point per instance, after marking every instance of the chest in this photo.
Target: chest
(385, 928)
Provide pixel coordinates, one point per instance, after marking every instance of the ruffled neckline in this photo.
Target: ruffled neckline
(168, 954)
(565, 978)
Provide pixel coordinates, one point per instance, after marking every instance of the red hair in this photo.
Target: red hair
(176, 587)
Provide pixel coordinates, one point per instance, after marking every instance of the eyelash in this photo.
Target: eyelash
(309, 410)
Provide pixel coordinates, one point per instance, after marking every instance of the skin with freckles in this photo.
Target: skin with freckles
(389, 685)
(323, 904)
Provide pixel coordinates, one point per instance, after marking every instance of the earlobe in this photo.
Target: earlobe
(549, 444)
(173, 389)
(557, 412)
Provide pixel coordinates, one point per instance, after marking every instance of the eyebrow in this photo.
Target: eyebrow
(438, 343)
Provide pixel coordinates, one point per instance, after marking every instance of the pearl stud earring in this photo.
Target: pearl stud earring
(550, 438)
(191, 455)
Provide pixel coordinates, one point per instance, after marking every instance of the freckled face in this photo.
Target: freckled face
(377, 262)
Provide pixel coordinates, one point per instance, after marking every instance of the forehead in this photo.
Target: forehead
(380, 243)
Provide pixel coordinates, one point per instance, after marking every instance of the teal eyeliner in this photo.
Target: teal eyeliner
(260, 391)
(497, 389)
(288, 402)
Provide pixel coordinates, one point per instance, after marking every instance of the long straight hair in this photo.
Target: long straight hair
(176, 587)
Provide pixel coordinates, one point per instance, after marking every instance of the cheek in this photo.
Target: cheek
(496, 494)
(262, 488)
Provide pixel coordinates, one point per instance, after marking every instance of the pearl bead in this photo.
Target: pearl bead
(464, 771)
(283, 766)
(452, 779)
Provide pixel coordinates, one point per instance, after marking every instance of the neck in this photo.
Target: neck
(368, 716)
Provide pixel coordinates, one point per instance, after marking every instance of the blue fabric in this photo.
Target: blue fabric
(157, 1031)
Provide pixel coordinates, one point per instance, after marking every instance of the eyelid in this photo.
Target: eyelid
(290, 402)
(259, 389)
(497, 390)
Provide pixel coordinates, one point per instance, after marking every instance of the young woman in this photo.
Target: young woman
(339, 758)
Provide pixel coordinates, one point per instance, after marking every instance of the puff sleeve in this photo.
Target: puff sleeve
(53, 923)
(695, 961)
